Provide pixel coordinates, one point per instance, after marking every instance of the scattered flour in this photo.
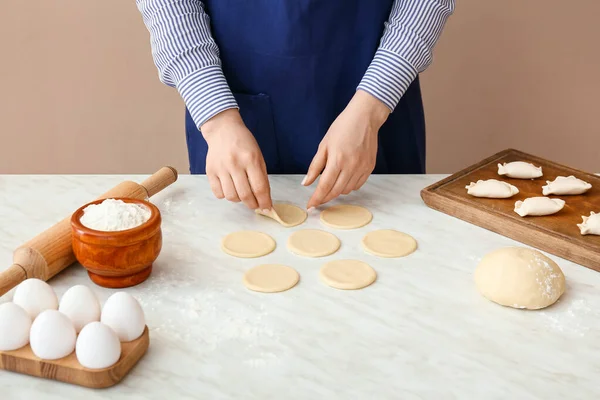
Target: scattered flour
(114, 215)
(574, 321)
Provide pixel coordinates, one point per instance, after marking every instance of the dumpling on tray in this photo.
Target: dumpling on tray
(590, 225)
(520, 170)
(491, 188)
(566, 185)
(538, 206)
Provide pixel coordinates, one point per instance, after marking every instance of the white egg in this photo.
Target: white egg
(14, 327)
(35, 296)
(98, 346)
(124, 315)
(52, 335)
(81, 305)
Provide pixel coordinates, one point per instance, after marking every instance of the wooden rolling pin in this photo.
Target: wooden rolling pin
(50, 252)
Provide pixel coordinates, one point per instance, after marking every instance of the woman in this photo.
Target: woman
(315, 87)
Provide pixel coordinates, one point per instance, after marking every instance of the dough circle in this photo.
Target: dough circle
(271, 278)
(287, 215)
(313, 243)
(389, 243)
(519, 278)
(347, 274)
(346, 216)
(248, 244)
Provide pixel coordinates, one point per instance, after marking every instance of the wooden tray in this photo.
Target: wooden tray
(556, 234)
(69, 370)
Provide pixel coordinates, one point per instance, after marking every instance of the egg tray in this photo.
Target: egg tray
(69, 370)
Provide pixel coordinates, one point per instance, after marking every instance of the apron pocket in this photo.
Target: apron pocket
(257, 114)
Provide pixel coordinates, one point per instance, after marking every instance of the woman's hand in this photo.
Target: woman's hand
(348, 152)
(235, 165)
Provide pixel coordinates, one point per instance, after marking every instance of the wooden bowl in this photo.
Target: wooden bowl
(118, 259)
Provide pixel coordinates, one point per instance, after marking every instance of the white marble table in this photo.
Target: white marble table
(420, 332)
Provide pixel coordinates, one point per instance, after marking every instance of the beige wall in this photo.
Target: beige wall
(79, 97)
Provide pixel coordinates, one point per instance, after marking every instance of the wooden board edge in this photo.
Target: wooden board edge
(468, 170)
(93, 379)
(543, 240)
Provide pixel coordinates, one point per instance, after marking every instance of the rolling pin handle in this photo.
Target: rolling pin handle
(160, 180)
(10, 278)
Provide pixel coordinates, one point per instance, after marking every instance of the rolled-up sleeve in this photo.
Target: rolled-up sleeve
(406, 47)
(187, 56)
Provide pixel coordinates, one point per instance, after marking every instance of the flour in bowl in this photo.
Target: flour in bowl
(114, 215)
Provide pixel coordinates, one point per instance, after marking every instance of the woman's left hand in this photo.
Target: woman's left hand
(347, 154)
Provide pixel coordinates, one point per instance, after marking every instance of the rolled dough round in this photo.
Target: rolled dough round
(346, 216)
(271, 278)
(313, 243)
(519, 278)
(248, 244)
(347, 274)
(287, 215)
(389, 243)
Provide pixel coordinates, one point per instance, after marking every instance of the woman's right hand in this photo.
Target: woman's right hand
(235, 165)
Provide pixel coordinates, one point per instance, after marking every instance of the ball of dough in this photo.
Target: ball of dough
(124, 315)
(15, 324)
(98, 346)
(519, 278)
(81, 305)
(52, 335)
(35, 296)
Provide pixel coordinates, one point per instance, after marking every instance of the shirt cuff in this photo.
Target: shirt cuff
(388, 77)
(206, 93)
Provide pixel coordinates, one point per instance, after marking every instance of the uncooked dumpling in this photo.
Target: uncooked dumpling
(537, 206)
(566, 186)
(519, 278)
(520, 170)
(590, 225)
(492, 188)
(287, 215)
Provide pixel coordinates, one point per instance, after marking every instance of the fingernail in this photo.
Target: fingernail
(304, 180)
(311, 209)
(266, 211)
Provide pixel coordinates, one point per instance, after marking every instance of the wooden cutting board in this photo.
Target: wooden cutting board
(69, 370)
(556, 234)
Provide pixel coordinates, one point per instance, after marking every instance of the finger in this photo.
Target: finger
(229, 188)
(316, 166)
(338, 188)
(244, 191)
(215, 186)
(326, 182)
(361, 181)
(259, 182)
(351, 184)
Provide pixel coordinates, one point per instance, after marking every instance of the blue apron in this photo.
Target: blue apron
(293, 66)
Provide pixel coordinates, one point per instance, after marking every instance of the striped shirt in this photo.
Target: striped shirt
(187, 56)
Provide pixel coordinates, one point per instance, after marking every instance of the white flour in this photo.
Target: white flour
(114, 215)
